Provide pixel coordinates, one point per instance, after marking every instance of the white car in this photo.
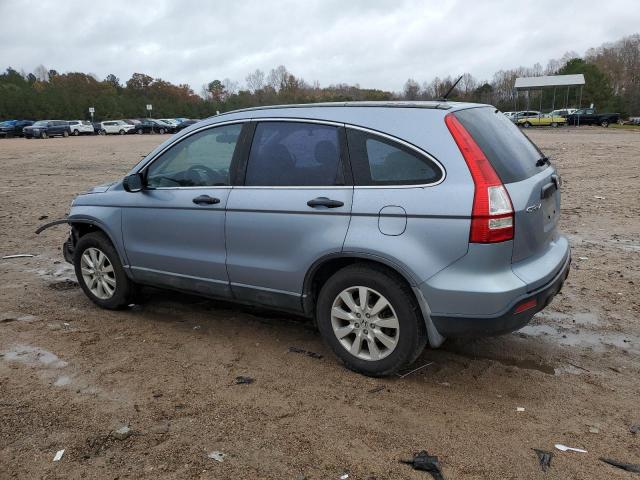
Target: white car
(81, 127)
(563, 112)
(115, 126)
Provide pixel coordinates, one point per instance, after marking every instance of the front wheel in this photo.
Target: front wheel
(100, 273)
(65, 134)
(139, 131)
(161, 131)
(371, 320)
(605, 123)
(76, 133)
(121, 132)
(554, 124)
(526, 124)
(44, 135)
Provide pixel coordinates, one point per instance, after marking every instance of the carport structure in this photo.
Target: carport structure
(546, 83)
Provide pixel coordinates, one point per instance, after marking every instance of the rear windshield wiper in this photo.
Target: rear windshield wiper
(542, 160)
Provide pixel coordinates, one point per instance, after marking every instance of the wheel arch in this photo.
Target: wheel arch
(81, 226)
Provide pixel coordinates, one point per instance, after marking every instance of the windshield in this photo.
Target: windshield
(41, 123)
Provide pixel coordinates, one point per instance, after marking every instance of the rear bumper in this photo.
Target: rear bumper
(465, 326)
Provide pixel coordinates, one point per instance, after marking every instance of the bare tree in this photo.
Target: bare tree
(255, 80)
(411, 90)
(277, 77)
(41, 73)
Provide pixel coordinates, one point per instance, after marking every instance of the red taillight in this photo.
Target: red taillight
(492, 213)
(529, 304)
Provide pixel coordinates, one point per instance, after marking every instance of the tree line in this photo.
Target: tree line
(612, 73)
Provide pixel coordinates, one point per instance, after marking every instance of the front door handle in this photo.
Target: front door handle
(205, 200)
(325, 202)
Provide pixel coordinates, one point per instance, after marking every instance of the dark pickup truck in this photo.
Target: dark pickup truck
(589, 116)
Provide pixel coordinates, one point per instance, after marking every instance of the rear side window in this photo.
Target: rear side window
(511, 153)
(379, 161)
(294, 154)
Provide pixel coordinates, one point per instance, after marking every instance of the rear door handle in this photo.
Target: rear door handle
(325, 202)
(205, 200)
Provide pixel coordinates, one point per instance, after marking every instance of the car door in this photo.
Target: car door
(174, 229)
(293, 208)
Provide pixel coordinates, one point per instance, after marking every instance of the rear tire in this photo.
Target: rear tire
(554, 124)
(65, 134)
(121, 132)
(76, 133)
(139, 131)
(604, 123)
(161, 131)
(526, 124)
(396, 341)
(111, 289)
(102, 132)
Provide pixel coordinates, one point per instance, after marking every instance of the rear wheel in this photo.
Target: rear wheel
(526, 124)
(604, 123)
(139, 131)
(76, 133)
(161, 131)
(65, 134)
(121, 132)
(554, 124)
(102, 132)
(100, 273)
(370, 319)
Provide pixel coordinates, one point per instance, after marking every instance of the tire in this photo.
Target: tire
(65, 134)
(121, 132)
(139, 131)
(161, 131)
(526, 124)
(102, 132)
(554, 124)
(44, 135)
(76, 133)
(604, 123)
(402, 311)
(114, 278)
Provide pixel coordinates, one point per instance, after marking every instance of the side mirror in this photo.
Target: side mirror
(133, 183)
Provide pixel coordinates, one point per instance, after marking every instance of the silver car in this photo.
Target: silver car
(391, 224)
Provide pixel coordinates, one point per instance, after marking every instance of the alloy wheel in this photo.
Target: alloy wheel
(365, 323)
(98, 273)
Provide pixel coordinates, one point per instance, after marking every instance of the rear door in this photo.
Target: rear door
(173, 230)
(532, 182)
(293, 209)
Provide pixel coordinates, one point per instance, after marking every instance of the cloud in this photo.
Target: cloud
(377, 44)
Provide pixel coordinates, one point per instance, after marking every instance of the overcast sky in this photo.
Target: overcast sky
(377, 44)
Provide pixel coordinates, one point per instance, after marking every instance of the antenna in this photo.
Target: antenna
(444, 98)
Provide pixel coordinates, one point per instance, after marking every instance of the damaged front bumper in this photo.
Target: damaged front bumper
(69, 245)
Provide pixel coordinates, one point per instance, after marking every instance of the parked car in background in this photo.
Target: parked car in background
(590, 116)
(390, 236)
(81, 127)
(47, 128)
(509, 115)
(632, 121)
(132, 121)
(170, 121)
(545, 120)
(13, 128)
(563, 112)
(119, 127)
(185, 124)
(151, 125)
(525, 114)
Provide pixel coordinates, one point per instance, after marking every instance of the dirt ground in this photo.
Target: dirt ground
(71, 374)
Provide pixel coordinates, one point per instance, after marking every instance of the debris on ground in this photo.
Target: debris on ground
(122, 433)
(305, 352)
(405, 374)
(377, 389)
(598, 197)
(241, 380)
(197, 327)
(58, 455)
(583, 258)
(634, 428)
(217, 456)
(519, 409)
(427, 463)
(564, 448)
(593, 429)
(64, 285)
(43, 217)
(18, 255)
(629, 467)
(544, 458)
(344, 476)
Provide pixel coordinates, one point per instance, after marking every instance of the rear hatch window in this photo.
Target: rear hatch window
(511, 153)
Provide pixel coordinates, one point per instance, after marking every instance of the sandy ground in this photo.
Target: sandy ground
(70, 373)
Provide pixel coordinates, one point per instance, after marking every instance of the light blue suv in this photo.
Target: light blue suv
(391, 224)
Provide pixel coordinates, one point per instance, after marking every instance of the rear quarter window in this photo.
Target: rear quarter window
(511, 153)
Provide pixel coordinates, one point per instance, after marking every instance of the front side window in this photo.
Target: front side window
(294, 154)
(379, 161)
(200, 160)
